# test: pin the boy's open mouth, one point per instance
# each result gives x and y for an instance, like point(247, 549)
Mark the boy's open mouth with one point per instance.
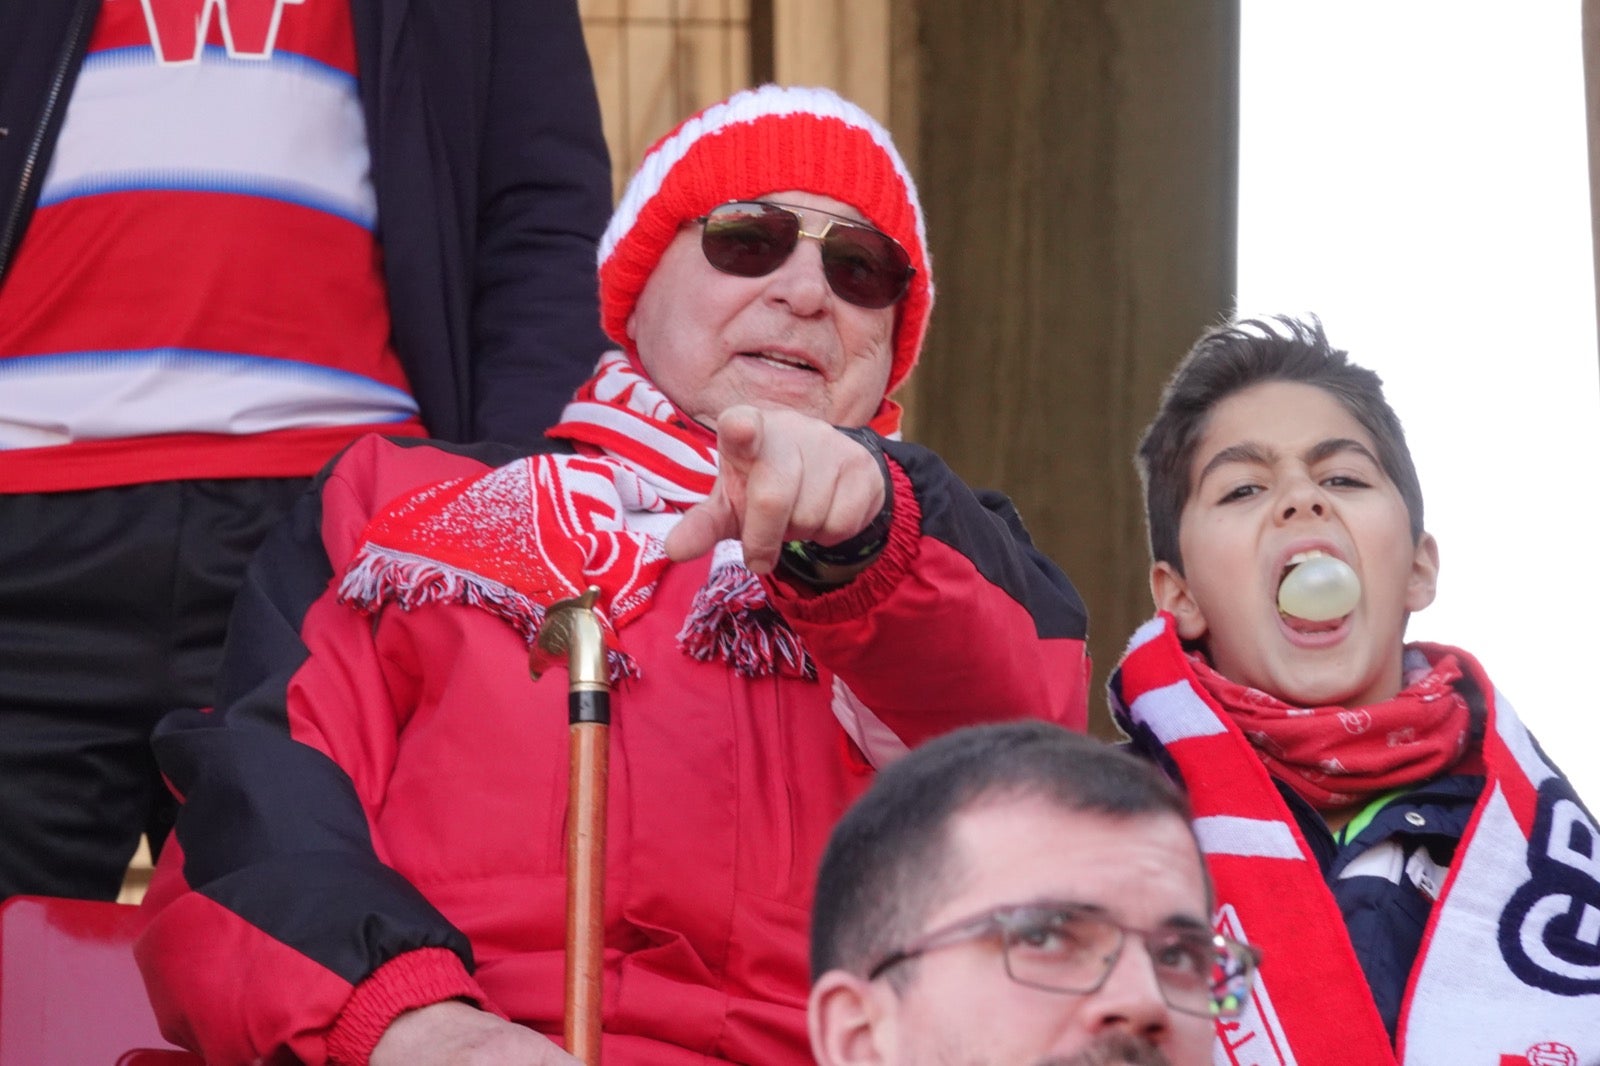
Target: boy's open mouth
point(1316, 592)
point(1301, 625)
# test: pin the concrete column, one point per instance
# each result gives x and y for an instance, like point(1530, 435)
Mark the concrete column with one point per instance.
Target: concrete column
point(1077, 161)
point(1591, 81)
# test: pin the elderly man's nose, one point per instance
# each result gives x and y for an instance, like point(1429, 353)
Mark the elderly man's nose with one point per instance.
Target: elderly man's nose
point(799, 282)
point(1130, 1000)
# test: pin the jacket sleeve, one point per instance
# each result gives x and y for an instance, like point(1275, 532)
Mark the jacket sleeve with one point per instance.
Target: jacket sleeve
point(960, 620)
point(275, 927)
point(44, 45)
point(544, 200)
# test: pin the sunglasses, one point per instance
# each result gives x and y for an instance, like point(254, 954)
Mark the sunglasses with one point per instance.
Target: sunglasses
point(752, 238)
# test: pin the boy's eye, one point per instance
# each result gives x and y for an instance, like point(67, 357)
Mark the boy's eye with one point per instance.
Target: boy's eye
point(1346, 481)
point(1239, 493)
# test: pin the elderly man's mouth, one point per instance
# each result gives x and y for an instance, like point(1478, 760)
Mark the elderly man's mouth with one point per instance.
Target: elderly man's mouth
point(788, 362)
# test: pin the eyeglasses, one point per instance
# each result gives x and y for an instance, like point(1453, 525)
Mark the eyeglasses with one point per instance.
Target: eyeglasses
point(752, 238)
point(1066, 948)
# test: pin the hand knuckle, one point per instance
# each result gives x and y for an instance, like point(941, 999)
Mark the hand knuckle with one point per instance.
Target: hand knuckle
point(767, 498)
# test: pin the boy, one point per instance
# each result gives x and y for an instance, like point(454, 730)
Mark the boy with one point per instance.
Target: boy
point(1423, 883)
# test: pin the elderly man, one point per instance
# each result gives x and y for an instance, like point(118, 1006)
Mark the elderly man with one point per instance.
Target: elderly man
point(1014, 894)
point(370, 862)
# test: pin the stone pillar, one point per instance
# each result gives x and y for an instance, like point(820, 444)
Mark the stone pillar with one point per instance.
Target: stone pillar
point(1077, 161)
point(1591, 82)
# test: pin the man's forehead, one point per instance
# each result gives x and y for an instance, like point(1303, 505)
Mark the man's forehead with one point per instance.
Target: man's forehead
point(810, 201)
point(1023, 849)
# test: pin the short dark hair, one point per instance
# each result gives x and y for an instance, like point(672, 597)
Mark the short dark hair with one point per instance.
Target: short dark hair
point(1231, 358)
point(887, 861)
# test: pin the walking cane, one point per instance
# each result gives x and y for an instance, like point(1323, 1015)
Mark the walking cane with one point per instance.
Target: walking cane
point(573, 628)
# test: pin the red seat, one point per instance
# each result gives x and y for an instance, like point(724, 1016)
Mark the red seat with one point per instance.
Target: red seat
point(70, 994)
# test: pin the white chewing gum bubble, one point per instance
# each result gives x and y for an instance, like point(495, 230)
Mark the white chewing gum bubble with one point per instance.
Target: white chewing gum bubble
point(1319, 590)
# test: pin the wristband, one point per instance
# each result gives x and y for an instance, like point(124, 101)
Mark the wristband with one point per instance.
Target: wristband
point(826, 565)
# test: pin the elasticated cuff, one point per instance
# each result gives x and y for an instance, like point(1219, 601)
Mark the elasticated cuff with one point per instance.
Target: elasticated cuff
point(873, 585)
point(416, 979)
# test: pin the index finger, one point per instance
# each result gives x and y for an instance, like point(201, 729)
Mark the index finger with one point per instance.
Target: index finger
point(700, 528)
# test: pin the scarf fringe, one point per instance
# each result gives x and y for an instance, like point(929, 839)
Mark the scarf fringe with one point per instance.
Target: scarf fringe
point(513, 540)
point(382, 575)
point(732, 620)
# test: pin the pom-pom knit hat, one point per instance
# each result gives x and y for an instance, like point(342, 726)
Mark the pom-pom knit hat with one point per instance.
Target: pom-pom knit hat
point(757, 142)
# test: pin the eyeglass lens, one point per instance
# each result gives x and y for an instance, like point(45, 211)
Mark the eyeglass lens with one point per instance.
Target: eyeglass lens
point(1074, 951)
point(862, 265)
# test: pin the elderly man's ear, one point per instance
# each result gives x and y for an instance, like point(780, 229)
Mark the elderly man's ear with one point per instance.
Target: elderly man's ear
point(851, 1020)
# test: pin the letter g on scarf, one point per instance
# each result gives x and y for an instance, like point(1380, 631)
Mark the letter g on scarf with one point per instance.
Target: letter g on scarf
point(1550, 931)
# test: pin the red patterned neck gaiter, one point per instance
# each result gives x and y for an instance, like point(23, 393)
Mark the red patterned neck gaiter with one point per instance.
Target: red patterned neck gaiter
point(1338, 756)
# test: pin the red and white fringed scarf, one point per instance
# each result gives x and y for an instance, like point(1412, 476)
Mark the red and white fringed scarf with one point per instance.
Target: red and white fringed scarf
point(517, 539)
point(1335, 757)
point(1509, 969)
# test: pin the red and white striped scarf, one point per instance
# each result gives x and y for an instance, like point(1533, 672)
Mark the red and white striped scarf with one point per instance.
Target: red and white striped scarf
point(516, 539)
point(1509, 969)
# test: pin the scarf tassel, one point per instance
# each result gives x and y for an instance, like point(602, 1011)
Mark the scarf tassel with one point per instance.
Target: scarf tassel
point(732, 620)
point(383, 575)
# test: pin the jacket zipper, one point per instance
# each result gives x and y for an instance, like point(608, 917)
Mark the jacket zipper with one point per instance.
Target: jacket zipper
point(30, 162)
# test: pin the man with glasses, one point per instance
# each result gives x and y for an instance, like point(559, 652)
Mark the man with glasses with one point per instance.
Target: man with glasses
point(1017, 894)
point(373, 816)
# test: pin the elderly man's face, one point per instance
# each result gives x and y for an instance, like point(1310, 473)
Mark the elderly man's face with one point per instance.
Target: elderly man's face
point(959, 1007)
point(711, 340)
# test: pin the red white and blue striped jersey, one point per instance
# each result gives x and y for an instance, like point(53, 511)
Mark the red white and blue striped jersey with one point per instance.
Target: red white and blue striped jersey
point(200, 293)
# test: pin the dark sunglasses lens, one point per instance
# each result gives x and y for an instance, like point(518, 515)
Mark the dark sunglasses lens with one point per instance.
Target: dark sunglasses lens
point(864, 266)
point(747, 239)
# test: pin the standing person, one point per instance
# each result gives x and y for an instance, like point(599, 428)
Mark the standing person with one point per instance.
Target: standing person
point(1421, 878)
point(234, 237)
point(371, 837)
point(1015, 893)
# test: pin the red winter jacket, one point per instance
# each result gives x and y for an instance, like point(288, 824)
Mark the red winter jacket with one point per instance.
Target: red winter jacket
point(373, 814)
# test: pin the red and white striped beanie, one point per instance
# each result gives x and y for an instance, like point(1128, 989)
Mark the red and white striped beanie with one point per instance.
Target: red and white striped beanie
point(761, 141)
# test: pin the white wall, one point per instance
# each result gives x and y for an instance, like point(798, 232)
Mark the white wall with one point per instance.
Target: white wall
point(1415, 172)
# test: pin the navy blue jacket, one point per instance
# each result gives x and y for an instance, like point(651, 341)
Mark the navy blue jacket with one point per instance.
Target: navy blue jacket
point(492, 179)
point(1387, 899)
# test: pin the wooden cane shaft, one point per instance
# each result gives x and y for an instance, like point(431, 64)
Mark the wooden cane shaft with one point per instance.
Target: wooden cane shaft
point(586, 878)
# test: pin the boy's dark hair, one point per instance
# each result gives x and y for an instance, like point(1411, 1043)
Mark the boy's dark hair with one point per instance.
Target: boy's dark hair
point(1231, 358)
point(887, 863)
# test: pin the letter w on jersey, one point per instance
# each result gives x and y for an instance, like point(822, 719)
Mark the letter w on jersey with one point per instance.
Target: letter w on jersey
point(178, 28)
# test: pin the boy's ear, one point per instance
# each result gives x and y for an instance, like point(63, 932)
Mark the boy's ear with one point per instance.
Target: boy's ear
point(1423, 582)
point(850, 1023)
point(1171, 594)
